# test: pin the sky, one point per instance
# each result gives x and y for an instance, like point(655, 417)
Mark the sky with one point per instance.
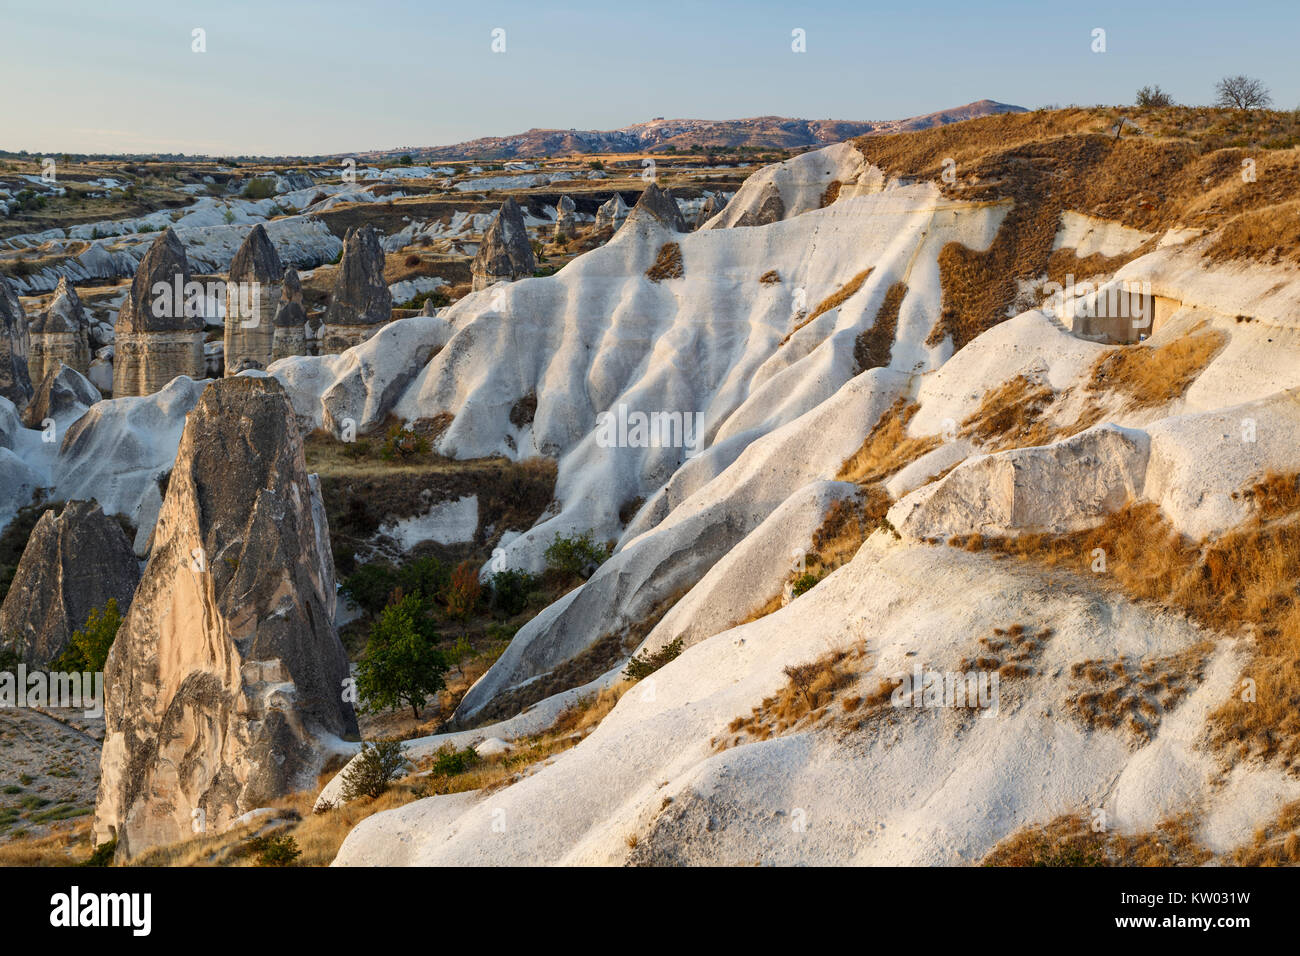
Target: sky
point(335, 76)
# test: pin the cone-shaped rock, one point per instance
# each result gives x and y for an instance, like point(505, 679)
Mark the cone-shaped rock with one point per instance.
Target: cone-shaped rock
point(226, 681)
point(770, 208)
point(291, 327)
point(505, 254)
point(360, 302)
point(711, 207)
point(611, 214)
point(252, 298)
point(15, 379)
point(566, 225)
point(660, 205)
point(73, 563)
point(62, 393)
point(159, 330)
point(60, 334)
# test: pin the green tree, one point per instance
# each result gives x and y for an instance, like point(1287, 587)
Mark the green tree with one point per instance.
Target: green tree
point(401, 665)
point(88, 648)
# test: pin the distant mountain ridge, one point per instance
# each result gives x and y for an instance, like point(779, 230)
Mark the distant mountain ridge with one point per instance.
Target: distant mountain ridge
point(767, 132)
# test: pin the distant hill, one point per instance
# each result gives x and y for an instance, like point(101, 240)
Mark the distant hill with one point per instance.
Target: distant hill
point(764, 132)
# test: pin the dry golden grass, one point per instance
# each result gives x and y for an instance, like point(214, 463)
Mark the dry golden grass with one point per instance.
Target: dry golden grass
point(1069, 841)
point(1276, 844)
point(831, 193)
point(1189, 175)
point(840, 295)
point(1271, 234)
point(832, 301)
point(63, 846)
point(770, 277)
point(805, 700)
point(887, 448)
point(1152, 376)
point(873, 347)
point(1012, 416)
point(1250, 576)
point(668, 264)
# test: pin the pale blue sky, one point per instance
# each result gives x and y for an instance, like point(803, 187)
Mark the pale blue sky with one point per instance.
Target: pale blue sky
point(341, 75)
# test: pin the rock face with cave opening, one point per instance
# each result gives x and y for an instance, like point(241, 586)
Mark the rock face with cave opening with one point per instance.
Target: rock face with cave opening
point(225, 687)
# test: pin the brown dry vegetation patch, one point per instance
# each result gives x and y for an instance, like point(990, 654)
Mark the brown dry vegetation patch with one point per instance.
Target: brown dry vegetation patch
point(1048, 162)
point(887, 448)
point(1271, 234)
point(832, 301)
point(1247, 577)
point(1064, 263)
point(668, 264)
point(1133, 695)
point(770, 277)
point(840, 295)
point(873, 347)
point(831, 193)
point(1069, 840)
point(1150, 376)
point(1013, 415)
point(1012, 652)
point(1274, 844)
point(807, 699)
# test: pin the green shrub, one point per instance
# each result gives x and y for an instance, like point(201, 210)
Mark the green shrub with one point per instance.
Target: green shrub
point(449, 761)
point(805, 582)
point(639, 667)
point(102, 855)
point(438, 296)
point(425, 576)
point(369, 587)
point(276, 850)
point(261, 188)
point(510, 591)
point(576, 556)
point(88, 648)
point(374, 770)
point(401, 444)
